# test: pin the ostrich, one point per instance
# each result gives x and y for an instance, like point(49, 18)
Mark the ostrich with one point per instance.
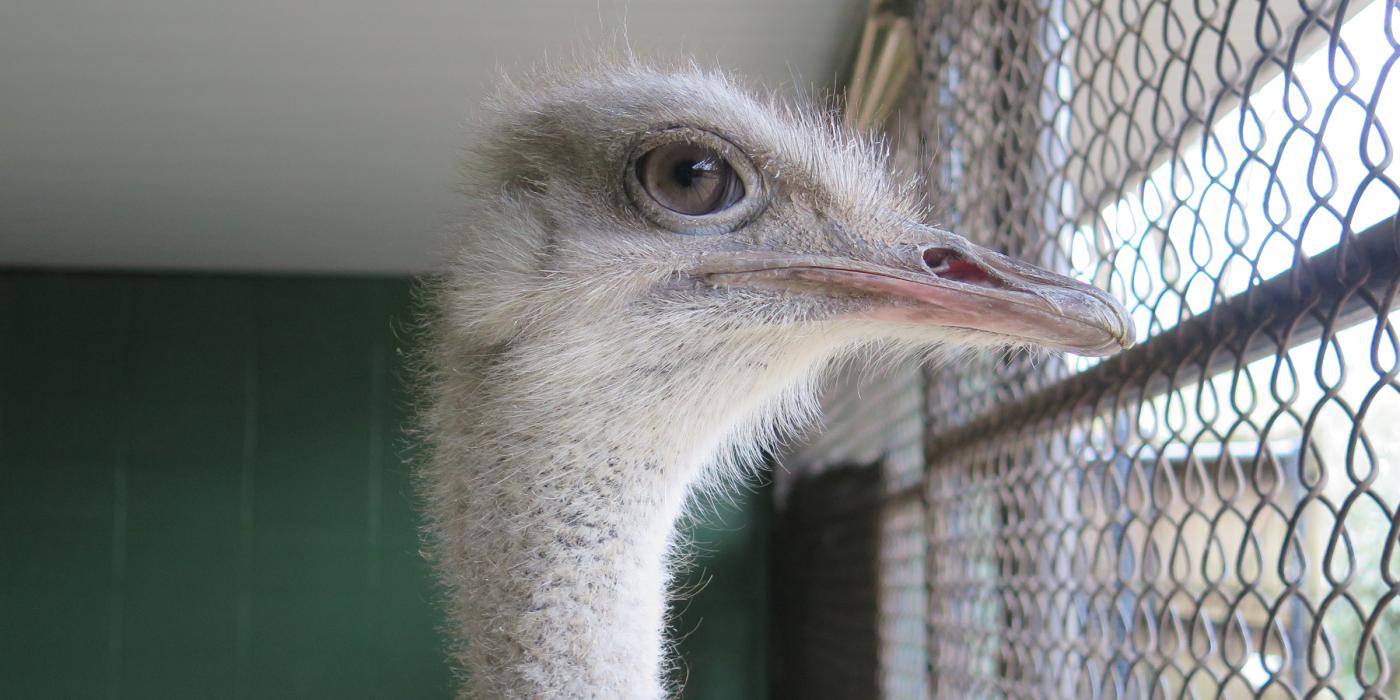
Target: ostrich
point(658, 266)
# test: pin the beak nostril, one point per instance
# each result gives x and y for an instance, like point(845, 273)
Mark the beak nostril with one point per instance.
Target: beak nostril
point(937, 259)
point(952, 265)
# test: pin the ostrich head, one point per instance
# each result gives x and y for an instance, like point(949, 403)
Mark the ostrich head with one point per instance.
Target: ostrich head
point(656, 265)
point(640, 201)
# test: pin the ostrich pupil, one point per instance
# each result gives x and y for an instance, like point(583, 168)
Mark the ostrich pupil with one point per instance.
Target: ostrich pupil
point(688, 171)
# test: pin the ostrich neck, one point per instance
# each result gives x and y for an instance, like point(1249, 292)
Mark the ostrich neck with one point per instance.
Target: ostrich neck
point(576, 606)
point(563, 530)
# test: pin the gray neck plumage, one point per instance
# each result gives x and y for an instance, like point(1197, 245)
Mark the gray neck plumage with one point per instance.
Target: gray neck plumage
point(573, 597)
point(554, 505)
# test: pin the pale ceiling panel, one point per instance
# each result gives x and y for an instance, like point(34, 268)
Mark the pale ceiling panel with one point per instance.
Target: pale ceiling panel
point(307, 136)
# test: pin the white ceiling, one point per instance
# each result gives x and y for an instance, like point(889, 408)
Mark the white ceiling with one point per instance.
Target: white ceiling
point(314, 135)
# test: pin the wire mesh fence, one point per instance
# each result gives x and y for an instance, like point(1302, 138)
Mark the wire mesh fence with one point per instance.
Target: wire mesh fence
point(1213, 513)
point(826, 586)
point(872, 418)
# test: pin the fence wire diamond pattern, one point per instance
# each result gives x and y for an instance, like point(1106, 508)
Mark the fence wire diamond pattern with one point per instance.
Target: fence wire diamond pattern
point(1212, 514)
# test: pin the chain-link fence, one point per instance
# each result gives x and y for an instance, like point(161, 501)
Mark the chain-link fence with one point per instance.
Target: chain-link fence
point(1214, 512)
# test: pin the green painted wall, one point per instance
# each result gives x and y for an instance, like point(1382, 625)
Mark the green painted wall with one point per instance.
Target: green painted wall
point(721, 612)
point(203, 495)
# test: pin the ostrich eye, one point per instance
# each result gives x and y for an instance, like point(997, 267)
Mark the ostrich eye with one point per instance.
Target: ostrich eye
point(694, 182)
point(689, 179)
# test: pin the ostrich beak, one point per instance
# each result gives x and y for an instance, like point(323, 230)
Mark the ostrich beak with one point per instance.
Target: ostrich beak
point(957, 285)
